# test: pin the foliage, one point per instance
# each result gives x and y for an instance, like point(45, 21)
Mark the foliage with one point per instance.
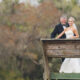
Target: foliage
point(21, 28)
point(71, 8)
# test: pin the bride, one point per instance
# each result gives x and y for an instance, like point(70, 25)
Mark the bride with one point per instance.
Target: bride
point(70, 65)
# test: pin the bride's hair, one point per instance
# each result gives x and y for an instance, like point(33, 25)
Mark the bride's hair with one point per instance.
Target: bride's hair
point(72, 18)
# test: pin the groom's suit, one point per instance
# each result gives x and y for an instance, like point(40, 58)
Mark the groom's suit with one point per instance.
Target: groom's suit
point(57, 30)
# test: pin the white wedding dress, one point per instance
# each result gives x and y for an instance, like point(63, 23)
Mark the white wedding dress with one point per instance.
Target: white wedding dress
point(70, 65)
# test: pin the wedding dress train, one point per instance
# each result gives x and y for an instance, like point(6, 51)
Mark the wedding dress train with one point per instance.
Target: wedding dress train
point(70, 65)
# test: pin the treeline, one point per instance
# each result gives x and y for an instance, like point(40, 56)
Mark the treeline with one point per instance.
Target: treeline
point(21, 27)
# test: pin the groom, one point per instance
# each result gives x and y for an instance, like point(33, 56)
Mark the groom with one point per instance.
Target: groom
point(60, 28)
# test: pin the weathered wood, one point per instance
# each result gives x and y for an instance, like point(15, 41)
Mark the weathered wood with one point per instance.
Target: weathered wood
point(62, 47)
point(46, 74)
point(63, 53)
point(59, 48)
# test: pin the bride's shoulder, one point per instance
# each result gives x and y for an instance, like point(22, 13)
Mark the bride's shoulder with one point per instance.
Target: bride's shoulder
point(73, 28)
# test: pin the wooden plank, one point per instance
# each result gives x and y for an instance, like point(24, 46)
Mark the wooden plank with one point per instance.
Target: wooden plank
point(63, 53)
point(47, 39)
point(65, 76)
point(53, 41)
point(63, 46)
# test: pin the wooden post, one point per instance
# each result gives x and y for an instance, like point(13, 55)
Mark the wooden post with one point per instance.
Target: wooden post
point(46, 74)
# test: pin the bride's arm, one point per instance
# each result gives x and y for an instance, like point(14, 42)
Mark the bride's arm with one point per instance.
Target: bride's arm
point(60, 35)
point(76, 34)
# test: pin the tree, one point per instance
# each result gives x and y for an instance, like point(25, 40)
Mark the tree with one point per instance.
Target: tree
point(70, 8)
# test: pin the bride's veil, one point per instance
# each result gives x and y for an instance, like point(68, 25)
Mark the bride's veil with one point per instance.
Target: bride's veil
point(75, 26)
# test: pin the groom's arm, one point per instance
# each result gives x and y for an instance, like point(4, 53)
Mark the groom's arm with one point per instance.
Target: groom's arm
point(55, 32)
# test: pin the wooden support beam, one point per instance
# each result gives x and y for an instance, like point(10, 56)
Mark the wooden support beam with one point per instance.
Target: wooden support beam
point(59, 48)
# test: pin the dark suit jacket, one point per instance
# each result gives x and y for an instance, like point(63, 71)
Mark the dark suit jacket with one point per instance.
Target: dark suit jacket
point(58, 29)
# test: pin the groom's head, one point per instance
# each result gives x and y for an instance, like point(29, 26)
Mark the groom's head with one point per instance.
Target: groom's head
point(63, 19)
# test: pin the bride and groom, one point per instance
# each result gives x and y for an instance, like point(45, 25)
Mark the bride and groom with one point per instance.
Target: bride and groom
point(68, 31)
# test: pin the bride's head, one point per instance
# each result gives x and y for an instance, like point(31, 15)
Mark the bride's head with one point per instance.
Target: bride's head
point(71, 21)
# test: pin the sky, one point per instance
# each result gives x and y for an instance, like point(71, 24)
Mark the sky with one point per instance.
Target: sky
point(0, 0)
point(32, 2)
